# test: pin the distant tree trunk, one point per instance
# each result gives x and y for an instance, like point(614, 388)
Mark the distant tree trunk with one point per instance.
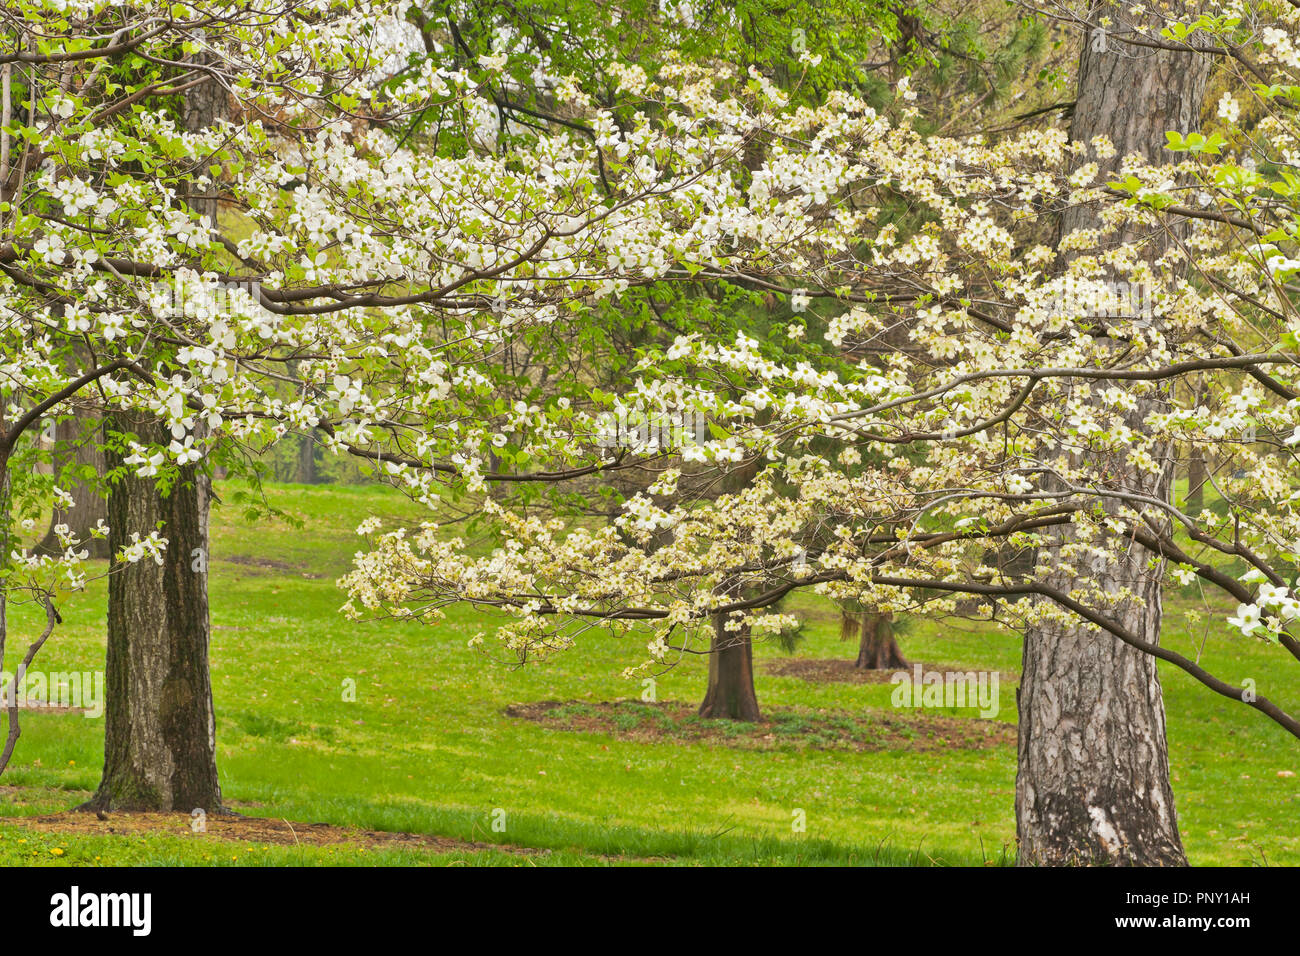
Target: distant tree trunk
point(307, 473)
point(1197, 476)
point(731, 694)
point(1093, 766)
point(78, 449)
point(877, 647)
point(159, 726)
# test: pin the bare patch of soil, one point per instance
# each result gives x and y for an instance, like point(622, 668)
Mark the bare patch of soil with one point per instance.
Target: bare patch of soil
point(836, 670)
point(250, 830)
point(783, 728)
point(269, 564)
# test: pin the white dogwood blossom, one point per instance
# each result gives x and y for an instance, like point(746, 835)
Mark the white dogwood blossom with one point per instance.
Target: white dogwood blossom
point(1014, 381)
point(391, 257)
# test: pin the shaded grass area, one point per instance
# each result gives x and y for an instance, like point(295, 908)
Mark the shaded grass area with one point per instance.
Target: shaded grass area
point(404, 728)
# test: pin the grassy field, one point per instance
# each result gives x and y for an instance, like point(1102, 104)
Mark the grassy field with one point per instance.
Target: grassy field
point(432, 743)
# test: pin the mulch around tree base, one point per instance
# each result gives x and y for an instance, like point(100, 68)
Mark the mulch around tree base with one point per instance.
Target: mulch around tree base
point(249, 830)
point(839, 670)
point(781, 728)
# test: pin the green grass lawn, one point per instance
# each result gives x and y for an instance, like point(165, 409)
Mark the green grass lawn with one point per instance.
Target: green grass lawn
point(427, 747)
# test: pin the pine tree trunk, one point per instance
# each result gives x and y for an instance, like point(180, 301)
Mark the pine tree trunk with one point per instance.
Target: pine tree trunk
point(731, 695)
point(78, 449)
point(1093, 767)
point(878, 648)
point(159, 727)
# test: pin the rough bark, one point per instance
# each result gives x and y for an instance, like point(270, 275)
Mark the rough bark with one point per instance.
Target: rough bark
point(78, 450)
point(730, 693)
point(204, 105)
point(5, 546)
point(159, 726)
point(1093, 768)
point(1197, 476)
point(877, 646)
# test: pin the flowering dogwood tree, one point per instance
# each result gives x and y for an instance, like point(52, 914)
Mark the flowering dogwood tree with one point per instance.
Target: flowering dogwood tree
point(963, 383)
point(351, 283)
point(1045, 391)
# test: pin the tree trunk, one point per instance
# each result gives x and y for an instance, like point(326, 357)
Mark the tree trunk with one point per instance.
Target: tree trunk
point(877, 648)
point(1197, 476)
point(1093, 766)
point(731, 694)
point(78, 450)
point(5, 547)
point(306, 472)
point(159, 727)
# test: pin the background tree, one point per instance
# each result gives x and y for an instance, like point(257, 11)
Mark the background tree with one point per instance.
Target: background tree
point(1040, 414)
point(874, 631)
point(806, 51)
point(79, 463)
point(328, 337)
